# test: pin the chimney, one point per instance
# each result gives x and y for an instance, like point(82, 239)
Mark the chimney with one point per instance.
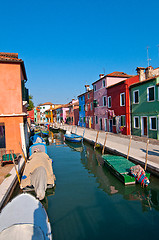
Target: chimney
point(101, 75)
point(87, 88)
point(141, 73)
point(149, 72)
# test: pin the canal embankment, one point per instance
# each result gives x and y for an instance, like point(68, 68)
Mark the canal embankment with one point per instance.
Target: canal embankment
point(9, 183)
point(119, 144)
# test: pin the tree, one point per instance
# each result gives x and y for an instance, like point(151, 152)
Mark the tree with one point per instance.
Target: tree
point(31, 104)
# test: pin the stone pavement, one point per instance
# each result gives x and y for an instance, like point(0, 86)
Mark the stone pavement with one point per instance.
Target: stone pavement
point(119, 144)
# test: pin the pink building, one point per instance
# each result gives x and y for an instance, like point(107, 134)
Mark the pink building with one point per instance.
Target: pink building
point(101, 103)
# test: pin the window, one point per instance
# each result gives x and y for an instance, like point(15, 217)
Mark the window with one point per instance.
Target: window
point(91, 106)
point(109, 102)
point(84, 119)
point(79, 108)
point(136, 96)
point(91, 120)
point(136, 122)
point(114, 121)
point(104, 101)
point(103, 83)
point(80, 120)
point(87, 119)
point(88, 95)
point(95, 89)
point(95, 103)
point(2, 135)
point(150, 94)
point(82, 98)
point(122, 99)
point(43, 107)
point(123, 120)
point(96, 119)
point(72, 119)
point(86, 107)
point(153, 123)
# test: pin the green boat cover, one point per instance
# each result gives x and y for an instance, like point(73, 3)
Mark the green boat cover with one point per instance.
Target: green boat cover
point(120, 164)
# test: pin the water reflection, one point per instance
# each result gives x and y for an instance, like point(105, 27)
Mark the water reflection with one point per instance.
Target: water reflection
point(93, 162)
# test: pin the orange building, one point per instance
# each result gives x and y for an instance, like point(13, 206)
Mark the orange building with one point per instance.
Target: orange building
point(13, 102)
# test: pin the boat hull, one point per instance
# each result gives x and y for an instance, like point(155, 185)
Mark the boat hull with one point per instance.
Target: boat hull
point(73, 138)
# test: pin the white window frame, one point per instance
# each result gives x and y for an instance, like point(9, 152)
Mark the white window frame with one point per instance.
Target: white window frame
point(125, 120)
point(148, 94)
point(134, 97)
point(121, 94)
point(151, 123)
point(136, 117)
point(104, 97)
point(109, 106)
point(86, 107)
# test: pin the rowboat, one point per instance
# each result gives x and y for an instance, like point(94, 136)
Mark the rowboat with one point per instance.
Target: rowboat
point(120, 167)
point(38, 174)
point(36, 139)
point(24, 218)
point(73, 137)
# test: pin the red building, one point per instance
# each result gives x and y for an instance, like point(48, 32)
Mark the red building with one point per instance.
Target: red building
point(31, 115)
point(119, 106)
point(89, 109)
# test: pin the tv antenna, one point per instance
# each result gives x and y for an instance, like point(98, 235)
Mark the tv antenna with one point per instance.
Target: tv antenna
point(148, 59)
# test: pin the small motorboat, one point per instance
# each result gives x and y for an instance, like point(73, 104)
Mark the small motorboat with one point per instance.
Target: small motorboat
point(25, 218)
point(36, 139)
point(73, 137)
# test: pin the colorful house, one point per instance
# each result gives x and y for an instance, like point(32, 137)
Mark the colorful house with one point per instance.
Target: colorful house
point(81, 99)
point(100, 97)
point(61, 113)
point(31, 116)
point(14, 99)
point(73, 113)
point(43, 108)
point(119, 106)
point(145, 107)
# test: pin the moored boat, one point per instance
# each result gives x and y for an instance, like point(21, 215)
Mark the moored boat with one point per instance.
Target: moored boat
point(38, 174)
point(37, 147)
point(120, 167)
point(24, 218)
point(73, 137)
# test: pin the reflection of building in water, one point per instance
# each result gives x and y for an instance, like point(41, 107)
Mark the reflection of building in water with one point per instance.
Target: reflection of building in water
point(93, 162)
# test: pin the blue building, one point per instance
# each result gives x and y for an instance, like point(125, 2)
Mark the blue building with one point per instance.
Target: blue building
point(82, 122)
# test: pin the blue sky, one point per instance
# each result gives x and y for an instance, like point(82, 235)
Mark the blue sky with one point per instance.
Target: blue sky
point(67, 44)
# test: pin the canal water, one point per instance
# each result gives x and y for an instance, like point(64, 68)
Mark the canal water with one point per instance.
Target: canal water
point(88, 202)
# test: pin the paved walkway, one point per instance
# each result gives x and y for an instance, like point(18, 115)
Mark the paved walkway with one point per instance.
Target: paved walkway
point(119, 144)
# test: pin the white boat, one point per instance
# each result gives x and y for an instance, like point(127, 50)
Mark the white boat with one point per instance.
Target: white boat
point(24, 218)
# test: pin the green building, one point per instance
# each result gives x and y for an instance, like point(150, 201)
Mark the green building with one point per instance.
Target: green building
point(144, 104)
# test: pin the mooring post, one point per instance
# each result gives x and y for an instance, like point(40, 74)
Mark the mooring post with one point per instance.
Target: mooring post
point(76, 130)
point(129, 147)
point(146, 154)
point(96, 140)
point(15, 168)
point(104, 143)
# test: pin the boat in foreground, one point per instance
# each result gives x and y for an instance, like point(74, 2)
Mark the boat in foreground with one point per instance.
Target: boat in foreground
point(73, 137)
point(38, 174)
point(120, 167)
point(24, 218)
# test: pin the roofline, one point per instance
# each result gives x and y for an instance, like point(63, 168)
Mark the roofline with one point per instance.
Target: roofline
point(146, 80)
point(120, 76)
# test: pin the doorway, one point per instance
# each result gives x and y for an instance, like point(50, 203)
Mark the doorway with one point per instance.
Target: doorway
point(105, 123)
point(110, 125)
point(144, 126)
point(100, 122)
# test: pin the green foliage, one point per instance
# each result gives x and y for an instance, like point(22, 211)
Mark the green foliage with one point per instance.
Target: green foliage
point(31, 104)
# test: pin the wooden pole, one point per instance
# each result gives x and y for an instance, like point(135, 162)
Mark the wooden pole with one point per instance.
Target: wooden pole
point(104, 143)
point(129, 147)
point(96, 140)
point(15, 168)
point(76, 130)
point(23, 153)
point(146, 154)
